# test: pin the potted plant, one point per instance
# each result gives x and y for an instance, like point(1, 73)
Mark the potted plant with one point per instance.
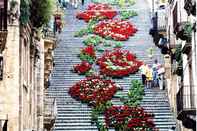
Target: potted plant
point(184, 31)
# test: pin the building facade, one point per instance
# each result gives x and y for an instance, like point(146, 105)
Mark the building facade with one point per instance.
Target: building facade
point(23, 66)
point(182, 83)
point(174, 32)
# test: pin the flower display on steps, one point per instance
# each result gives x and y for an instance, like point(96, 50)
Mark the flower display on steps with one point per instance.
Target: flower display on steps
point(124, 15)
point(88, 54)
point(93, 40)
point(82, 68)
point(98, 92)
point(118, 63)
point(116, 29)
point(100, 11)
point(125, 118)
point(93, 90)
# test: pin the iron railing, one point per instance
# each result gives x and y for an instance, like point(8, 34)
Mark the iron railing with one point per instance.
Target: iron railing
point(161, 20)
point(186, 99)
point(48, 34)
point(50, 110)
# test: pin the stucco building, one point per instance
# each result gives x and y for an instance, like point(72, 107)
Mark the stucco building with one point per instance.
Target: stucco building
point(24, 61)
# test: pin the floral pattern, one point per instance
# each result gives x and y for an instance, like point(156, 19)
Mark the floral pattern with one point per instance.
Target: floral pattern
point(88, 54)
point(118, 63)
point(116, 29)
point(99, 10)
point(83, 67)
point(129, 118)
point(94, 90)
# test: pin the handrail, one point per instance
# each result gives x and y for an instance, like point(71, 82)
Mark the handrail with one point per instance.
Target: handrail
point(186, 98)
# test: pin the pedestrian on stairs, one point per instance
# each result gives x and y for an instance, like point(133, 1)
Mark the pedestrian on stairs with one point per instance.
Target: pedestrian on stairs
point(82, 1)
point(161, 72)
point(143, 69)
point(155, 68)
point(149, 76)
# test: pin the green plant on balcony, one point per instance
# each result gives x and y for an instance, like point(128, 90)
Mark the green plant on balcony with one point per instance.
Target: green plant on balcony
point(184, 31)
point(41, 12)
point(178, 58)
point(24, 11)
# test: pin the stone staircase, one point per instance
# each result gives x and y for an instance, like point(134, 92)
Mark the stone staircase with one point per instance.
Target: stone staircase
point(74, 116)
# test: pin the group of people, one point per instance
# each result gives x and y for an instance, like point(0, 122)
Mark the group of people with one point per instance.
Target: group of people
point(74, 3)
point(153, 75)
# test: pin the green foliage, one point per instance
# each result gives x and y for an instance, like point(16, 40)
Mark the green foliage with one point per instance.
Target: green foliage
point(188, 29)
point(90, 72)
point(81, 33)
point(100, 49)
point(135, 94)
point(41, 12)
point(85, 57)
point(118, 45)
point(124, 15)
point(178, 56)
point(87, 30)
point(93, 40)
point(24, 11)
point(96, 112)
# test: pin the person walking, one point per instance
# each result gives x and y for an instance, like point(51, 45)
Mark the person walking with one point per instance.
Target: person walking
point(143, 69)
point(155, 68)
point(161, 72)
point(82, 1)
point(149, 76)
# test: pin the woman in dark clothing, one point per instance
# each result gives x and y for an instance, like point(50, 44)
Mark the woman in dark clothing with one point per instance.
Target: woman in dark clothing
point(82, 1)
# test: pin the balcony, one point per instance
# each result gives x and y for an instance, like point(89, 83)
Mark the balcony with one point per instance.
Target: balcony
point(183, 31)
point(161, 21)
point(49, 39)
point(186, 106)
point(50, 113)
point(3, 24)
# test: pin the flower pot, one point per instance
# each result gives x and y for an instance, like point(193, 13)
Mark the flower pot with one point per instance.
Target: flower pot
point(183, 31)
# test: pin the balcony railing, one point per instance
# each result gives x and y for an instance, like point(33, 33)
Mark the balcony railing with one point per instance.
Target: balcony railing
point(48, 33)
point(50, 112)
point(186, 103)
point(161, 20)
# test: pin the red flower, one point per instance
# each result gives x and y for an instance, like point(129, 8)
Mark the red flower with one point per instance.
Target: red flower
point(93, 90)
point(89, 50)
point(116, 29)
point(97, 10)
point(130, 117)
point(83, 67)
point(118, 63)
